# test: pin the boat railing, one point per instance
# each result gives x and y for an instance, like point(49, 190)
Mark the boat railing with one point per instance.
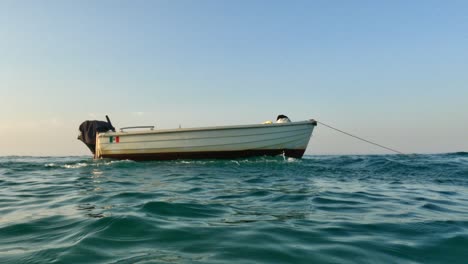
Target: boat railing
point(136, 127)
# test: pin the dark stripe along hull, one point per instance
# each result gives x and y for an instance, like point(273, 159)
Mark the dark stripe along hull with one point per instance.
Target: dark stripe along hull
point(294, 153)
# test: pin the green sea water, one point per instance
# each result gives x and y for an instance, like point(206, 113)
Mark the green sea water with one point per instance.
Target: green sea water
point(321, 209)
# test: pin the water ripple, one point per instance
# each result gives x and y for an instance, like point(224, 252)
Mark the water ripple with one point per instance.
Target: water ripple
point(321, 209)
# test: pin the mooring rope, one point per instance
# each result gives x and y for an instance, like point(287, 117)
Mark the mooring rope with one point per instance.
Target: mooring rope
point(365, 140)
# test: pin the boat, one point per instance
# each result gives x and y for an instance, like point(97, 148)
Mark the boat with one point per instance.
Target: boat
point(218, 142)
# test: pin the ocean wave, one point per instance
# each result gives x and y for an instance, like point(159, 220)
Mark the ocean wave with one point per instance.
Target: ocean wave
point(325, 209)
point(461, 153)
point(186, 210)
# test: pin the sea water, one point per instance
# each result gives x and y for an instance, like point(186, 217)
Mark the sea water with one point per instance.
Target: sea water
point(321, 209)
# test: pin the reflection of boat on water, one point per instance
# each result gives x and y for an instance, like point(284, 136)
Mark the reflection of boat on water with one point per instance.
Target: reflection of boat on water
point(289, 138)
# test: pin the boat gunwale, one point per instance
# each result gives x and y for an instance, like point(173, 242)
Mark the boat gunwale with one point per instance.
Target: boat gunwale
point(213, 128)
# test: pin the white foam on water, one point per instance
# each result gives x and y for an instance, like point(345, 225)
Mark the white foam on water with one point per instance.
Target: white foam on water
point(74, 166)
point(289, 159)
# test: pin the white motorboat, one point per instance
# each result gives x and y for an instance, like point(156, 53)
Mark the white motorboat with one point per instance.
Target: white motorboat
point(289, 139)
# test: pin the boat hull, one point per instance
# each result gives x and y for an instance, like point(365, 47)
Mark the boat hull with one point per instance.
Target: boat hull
point(289, 139)
point(294, 153)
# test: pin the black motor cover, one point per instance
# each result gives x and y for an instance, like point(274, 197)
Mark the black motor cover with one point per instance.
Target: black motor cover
point(89, 129)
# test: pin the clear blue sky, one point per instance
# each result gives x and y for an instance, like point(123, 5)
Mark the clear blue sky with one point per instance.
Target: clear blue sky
point(392, 71)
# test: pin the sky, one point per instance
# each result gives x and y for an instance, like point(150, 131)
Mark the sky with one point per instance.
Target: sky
point(394, 72)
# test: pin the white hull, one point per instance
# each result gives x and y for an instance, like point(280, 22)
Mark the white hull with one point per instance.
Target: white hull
point(210, 142)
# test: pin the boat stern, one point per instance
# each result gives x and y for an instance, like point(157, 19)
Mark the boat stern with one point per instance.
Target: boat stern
point(89, 130)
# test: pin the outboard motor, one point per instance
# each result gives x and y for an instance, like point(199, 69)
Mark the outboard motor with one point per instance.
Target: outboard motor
point(90, 128)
